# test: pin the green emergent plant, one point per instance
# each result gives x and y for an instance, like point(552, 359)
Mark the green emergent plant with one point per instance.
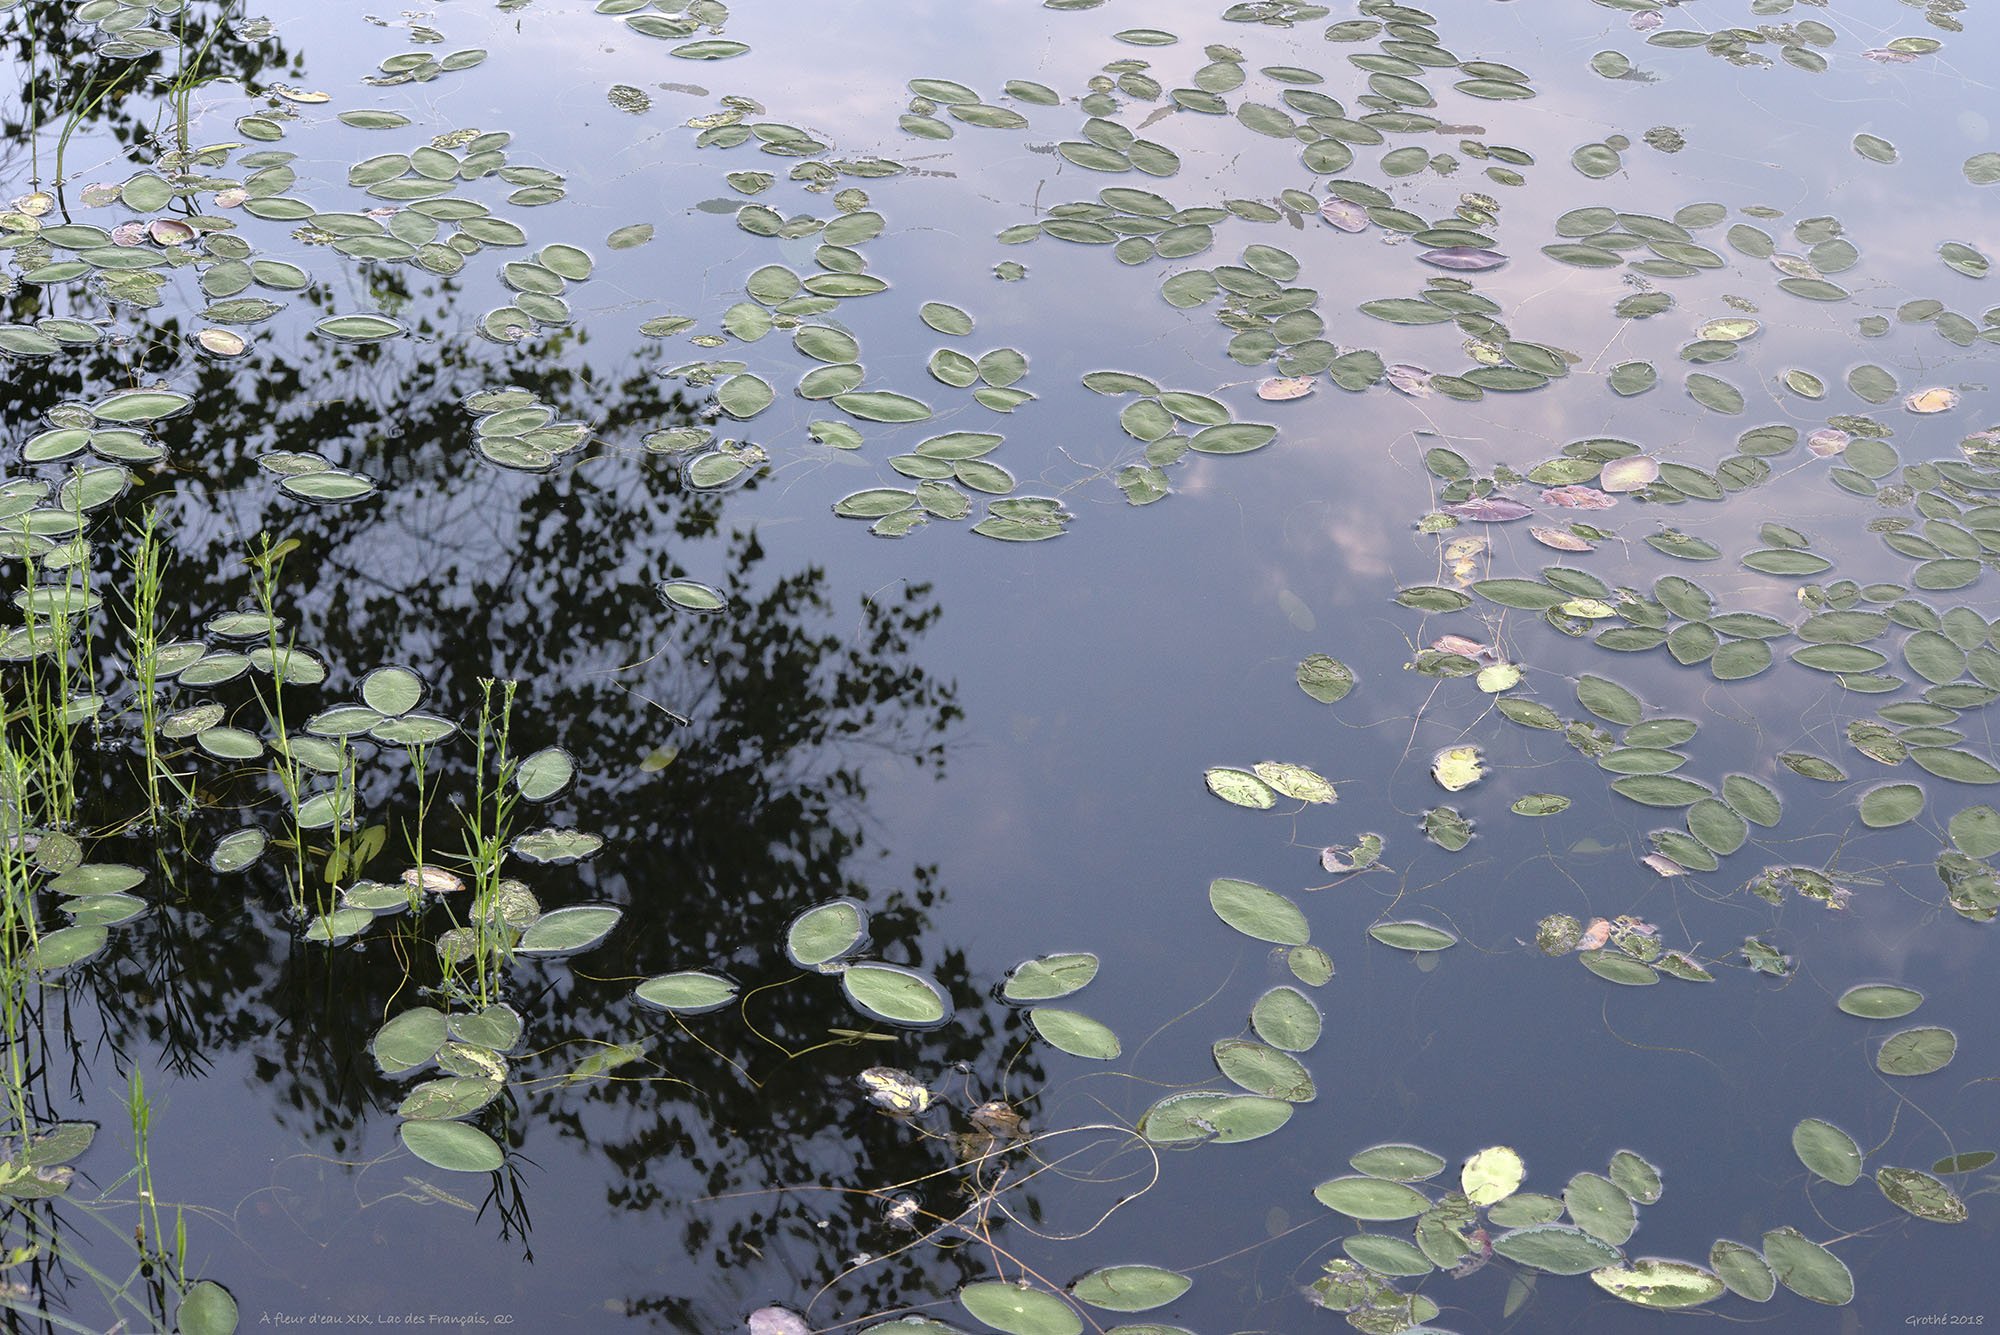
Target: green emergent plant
point(18, 938)
point(488, 825)
point(40, 719)
point(267, 562)
point(142, 605)
point(180, 90)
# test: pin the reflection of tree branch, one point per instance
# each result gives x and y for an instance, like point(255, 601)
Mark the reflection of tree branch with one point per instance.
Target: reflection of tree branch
point(466, 571)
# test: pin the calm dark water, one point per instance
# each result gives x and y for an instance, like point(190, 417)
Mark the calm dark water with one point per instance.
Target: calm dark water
point(997, 747)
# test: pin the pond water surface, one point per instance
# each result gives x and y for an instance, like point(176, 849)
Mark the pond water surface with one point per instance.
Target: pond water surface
point(1027, 667)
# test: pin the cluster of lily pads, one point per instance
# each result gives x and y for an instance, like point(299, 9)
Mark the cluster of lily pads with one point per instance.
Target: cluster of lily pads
point(822, 938)
point(1582, 1231)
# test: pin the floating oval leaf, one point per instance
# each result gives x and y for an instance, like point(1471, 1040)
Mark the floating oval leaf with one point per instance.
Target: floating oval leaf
point(1286, 1018)
point(1240, 788)
point(1205, 1115)
point(1807, 1268)
point(1020, 1311)
point(564, 931)
point(544, 774)
point(1653, 1282)
point(1891, 804)
point(1558, 1249)
point(1074, 1033)
point(1371, 1198)
point(1049, 977)
point(1264, 1070)
point(206, 1309)
point(452, 1146)
point(1130, 1288)
point(1880, 1001)
point(689, 993)
point(1492, 1175)
point(1257, 912)
point(1919, 1051)
point(358, 328)
point(1827, 1151)
point(900, 996)
point(1921, 1194)
point(826, 932)
point(1412, 935)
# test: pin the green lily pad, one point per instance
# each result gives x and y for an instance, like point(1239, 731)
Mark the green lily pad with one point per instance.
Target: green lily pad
point(1371, 1198)
point(690, 992)
point(1074, 1033)
point(1130, 1288)
point(1325, 679)
point(1557, 1249)
point(1206, 1115)
point(1049, 977)
point(1600, 1208)
point(1239, 787)
point(1891, 804)
point(1398, 1163)
point(1286, 1018)
point(1807, 1268)
point(1919, 1051)
point(1257, 912)
point(392, 691)
point(900, 996)
point(568, 930)
point(555, 845)
point(206, 1309)
point(1743, 1269)
point(826, 932)
point(1386, 1255)
point(1653, 1282)
point(1880, 1001)
point(449, 1098)
point(452, 1146)
point(1921, 1194)
point(1264, 1070)
point(409, 1039)
point(544, 774)
point(1976, 831)
point(1019, 1311)
point(1828, 1151)
point(1417, 936)
point(67, 946)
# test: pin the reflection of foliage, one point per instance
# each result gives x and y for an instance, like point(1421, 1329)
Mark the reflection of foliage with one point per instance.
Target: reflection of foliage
point(773, 711)
point(58, 73)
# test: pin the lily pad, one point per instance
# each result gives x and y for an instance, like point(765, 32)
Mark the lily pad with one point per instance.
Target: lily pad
point(1371, 1198)
point(1049, 977)
point(1918, 1051)
point(1828, 1151)
point(1074, 1033)
point(1558, 1249)
point(1019, 1311)
point(1921, 1194)
point(1264, 1070)
point(1130, 1288)
point(898, 995)
point(544, 774)
point(826, 932)
point(1653, 1282)
point(452, 1146)
point(1807, 1268)
point(1418, 936)
point(1880, 1001)
point(689, 993)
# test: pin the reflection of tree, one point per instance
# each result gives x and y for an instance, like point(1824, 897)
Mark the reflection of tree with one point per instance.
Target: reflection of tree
point(58, 73)
point(460, 570)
